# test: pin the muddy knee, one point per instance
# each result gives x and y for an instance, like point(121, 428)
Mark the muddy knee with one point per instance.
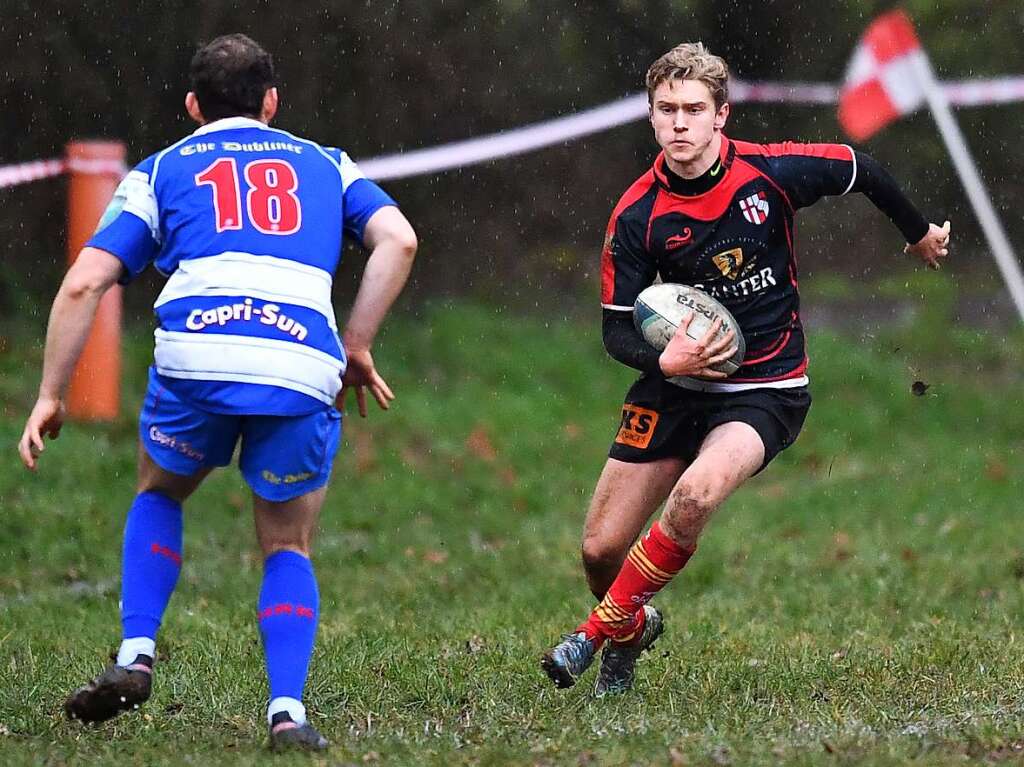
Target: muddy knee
point(686, 513)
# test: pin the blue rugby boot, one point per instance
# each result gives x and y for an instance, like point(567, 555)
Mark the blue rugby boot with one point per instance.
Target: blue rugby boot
point(618, 661)
point(568, 659)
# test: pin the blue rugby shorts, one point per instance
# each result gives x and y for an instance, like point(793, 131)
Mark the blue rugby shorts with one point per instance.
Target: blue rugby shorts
point(282, 457)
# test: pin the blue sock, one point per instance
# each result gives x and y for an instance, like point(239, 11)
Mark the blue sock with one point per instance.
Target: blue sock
point(151, 562)
point(289, 607)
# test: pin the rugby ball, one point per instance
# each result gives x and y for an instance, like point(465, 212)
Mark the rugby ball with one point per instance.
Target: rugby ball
point(660, 309)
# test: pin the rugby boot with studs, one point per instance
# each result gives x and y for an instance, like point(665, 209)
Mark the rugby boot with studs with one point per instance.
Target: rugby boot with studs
point(618, 661)
point(568, 659)
point(285, 734)
point(117, 689)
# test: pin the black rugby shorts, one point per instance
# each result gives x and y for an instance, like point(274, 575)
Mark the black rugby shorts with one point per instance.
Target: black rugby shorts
point(662, 420)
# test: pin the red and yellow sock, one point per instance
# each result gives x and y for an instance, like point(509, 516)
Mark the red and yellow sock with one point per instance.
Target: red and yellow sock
point(651, 563)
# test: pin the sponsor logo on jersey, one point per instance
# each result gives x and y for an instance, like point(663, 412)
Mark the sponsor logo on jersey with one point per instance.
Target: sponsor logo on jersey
point(238, 146)
point(755, 208)
point(729, 262)
point(268, 314)
point(678, 240)
point(637, 426)
point(753, 283)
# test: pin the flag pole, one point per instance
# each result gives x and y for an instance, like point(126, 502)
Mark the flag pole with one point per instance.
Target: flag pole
point(970, 178)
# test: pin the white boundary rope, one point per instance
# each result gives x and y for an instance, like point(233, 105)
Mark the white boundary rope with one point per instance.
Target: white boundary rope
point(22, 173)
point(12, 175)
point(458, 154)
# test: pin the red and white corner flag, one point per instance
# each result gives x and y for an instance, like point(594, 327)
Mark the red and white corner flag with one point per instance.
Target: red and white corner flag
point(880, 83)
point(890, 76)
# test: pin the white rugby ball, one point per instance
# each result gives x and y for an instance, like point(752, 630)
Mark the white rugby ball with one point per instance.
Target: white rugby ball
point(660, 309)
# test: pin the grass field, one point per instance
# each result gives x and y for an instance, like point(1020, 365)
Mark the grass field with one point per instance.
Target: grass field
point(860, 602)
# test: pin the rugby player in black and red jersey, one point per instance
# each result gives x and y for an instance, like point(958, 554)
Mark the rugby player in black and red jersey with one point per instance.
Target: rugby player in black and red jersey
point(717, 214)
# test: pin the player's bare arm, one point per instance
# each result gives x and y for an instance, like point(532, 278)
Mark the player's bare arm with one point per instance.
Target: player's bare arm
point(392, 243)
point(686, 357)
point(74, 308)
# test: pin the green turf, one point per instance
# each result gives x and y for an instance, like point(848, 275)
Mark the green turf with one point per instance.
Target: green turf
point(859, 602)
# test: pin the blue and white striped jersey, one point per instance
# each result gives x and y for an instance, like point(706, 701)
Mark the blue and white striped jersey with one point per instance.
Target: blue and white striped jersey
point(247, 222)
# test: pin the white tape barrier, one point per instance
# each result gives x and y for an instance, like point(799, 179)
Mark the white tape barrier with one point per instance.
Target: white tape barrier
point(22, 173)
point(971, 93)
point(12, 175)
point(96, 167)
point(459, 154)
point(801, 94)
point(520, 140)
point(506, 143)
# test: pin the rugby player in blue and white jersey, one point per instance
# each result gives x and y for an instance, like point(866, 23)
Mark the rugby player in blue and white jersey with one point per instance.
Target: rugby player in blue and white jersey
point(247, 223)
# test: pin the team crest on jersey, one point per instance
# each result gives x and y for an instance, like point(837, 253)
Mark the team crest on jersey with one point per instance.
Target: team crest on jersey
point(729, 262)
point(755, 208)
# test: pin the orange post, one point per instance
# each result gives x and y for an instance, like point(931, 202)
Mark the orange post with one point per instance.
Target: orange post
point(94, 173)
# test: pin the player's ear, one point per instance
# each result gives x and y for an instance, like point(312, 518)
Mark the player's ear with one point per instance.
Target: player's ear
point(192, 107)
point(269, 105)
point(722, 116)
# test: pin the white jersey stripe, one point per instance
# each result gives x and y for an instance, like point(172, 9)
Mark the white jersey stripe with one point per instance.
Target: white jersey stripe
point(694, 384)
point(222, 357)
point(140, 201)
point(254, 378)
point(244, 274)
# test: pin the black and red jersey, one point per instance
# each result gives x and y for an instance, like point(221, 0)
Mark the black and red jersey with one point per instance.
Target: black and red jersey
point(734, 241)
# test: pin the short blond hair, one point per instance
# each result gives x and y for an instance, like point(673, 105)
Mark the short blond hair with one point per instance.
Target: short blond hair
point(691, 61)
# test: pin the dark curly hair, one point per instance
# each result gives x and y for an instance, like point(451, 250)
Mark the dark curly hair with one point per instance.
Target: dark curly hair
point(230, 76)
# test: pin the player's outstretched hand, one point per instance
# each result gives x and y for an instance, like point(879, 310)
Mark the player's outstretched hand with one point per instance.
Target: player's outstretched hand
point(360, 375)
point(932, 246)
point(45, 419)
point(685, 357)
